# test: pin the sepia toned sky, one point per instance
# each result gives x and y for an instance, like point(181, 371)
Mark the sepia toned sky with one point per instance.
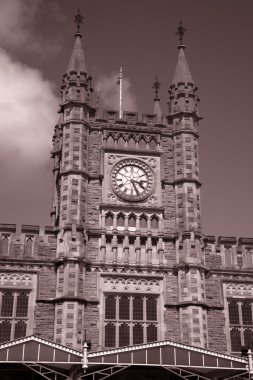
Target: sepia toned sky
point(36, 40)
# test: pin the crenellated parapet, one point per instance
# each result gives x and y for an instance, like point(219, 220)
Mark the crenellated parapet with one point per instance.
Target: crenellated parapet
point(229, 253)
point(34, 243)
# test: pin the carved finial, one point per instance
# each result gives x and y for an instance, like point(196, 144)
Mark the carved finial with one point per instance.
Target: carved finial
point(180, 32)
point(156, 86)
point(78, 20)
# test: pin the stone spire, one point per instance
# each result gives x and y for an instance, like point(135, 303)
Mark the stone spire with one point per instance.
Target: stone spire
point(77, 59)
point(76, 84)
point(183, 97)
point(182, 72)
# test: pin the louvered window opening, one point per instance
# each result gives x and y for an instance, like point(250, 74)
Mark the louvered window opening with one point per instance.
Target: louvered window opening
point(240, 323)
point(130, 319)
point(13, 314)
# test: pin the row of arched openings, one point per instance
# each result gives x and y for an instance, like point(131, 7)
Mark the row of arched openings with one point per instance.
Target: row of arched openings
point(131, 143)
point(121, 220)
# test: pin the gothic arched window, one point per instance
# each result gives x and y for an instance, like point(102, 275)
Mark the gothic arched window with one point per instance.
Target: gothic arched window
point(124, 335)
point(132, 220)
point(233, 312)
point(142, 143)
point(121, 220)
point(124, 307)
point(143, 221)
point(110, 307)
point(110, 335)
point(131, 143)
point(20, 329)
point(121, 142)
point(235, 338)
point(109, 220)
point(151, 333)
point(110, 141)
point(22, 304)
point(29, 246)
point(7, 304)
point(5, 331)
point(152, 144)
point(151, 308)
point(137, 308)
point(5, 245)
point(154, 222)
point(137, 333)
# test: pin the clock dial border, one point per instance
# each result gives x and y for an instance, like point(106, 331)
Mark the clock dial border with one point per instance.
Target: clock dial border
point(141, 165)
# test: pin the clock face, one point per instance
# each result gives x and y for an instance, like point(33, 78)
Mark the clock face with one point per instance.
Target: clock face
point(132, 180)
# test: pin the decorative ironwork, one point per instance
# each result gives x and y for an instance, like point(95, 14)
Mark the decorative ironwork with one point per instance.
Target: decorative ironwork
point(156, 86)
point(180, 32)
point(78, 20)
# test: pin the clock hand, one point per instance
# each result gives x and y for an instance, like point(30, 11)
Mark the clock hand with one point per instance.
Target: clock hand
point(133, 182)
point(140, 183)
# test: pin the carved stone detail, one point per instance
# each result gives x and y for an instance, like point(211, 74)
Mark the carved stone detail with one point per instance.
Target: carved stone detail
point(111, 159)
point(152, 200)
point(131, 284)
point(239, 290)
point(151, 161)
point(15, 279)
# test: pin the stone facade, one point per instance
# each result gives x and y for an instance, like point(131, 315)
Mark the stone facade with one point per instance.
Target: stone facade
point(118, 267)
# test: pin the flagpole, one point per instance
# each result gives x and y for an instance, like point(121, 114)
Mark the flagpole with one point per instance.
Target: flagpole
point(120, 93)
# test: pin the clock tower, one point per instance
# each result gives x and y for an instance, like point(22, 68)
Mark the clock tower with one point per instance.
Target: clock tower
point(127, 214)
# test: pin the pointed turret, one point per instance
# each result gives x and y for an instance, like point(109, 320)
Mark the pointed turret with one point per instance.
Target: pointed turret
point(76, 83)
point(182, 72)
point(183, 118)
point(77, 60)
point(183, 98)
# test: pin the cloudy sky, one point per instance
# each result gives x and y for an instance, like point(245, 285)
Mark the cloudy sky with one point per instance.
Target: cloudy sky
point(36, 39)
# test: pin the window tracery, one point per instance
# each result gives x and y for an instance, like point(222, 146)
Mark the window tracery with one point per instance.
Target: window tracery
point(130, 319)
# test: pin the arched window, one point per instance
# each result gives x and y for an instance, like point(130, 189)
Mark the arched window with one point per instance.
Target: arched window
point(20, 329)
point(248, 337)
point(142, 143)
point(235, 338)
point(121, 220)
point(152, 144)
point(29, 246)
point(110, 307)
point(151, 309)
point(22, 304)
point(124, 308)
point(132, 220)
point(137, 333)
point(228, 257)
point(110, 141)
point(151, 333)
point(137, 308)
point(109, 220)
point(5, 245)
point(7, 304)
point(124, 336)
point(5, 331)
point(131, 143)
point(110, 335)
point(143, 221)
point(121, 142)
point(154, 222)
point(233, 312)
